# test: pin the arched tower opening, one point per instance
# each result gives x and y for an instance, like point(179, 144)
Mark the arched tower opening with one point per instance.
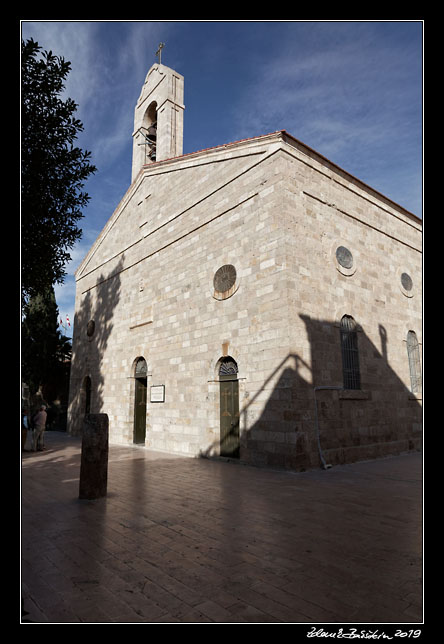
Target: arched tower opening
point(158, 118)
point(150, 132)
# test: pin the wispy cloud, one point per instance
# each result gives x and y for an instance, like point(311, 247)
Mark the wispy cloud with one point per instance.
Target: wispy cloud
point(104, 80)
point(350, 97)
point(345, 81)
point(74, 41)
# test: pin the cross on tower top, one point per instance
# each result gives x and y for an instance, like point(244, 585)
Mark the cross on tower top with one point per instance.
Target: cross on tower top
point(159, 51)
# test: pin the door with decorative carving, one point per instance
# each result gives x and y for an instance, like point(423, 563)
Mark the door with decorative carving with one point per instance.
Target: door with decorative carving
point(229, 409)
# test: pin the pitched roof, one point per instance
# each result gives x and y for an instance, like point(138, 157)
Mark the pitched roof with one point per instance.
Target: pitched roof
point(284, 133)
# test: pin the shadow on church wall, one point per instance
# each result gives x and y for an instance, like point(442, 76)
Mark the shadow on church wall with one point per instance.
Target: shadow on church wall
point(305, 424)
point(93, 325)
point(298, 427)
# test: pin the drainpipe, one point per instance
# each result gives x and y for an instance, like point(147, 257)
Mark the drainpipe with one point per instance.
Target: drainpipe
point(325, 465)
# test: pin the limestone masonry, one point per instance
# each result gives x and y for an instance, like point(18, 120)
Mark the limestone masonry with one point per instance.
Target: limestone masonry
point(252, 300)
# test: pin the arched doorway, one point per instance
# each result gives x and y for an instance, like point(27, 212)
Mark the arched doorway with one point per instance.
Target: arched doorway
point(140, 391)
point(229, 408)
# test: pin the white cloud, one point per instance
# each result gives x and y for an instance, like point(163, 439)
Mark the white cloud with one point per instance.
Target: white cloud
point(349, 93)
point(345, 86)
point(103, 80)
point(74, 41)
point(65, 293)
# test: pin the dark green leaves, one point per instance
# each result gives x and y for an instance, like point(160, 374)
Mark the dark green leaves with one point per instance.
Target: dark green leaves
point(54, 171)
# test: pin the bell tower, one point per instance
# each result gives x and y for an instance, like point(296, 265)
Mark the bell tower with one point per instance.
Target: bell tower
point(158, 118)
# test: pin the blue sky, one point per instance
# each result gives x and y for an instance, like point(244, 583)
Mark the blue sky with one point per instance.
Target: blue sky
point(350, 90)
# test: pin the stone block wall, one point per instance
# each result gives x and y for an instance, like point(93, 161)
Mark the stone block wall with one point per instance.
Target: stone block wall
point(276, 212)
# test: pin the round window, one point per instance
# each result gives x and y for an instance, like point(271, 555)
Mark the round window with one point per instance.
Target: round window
point(343, 259)
point(224, 278)
point(225, 282)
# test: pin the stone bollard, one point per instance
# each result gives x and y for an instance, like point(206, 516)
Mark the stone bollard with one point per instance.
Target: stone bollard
point(94, 463)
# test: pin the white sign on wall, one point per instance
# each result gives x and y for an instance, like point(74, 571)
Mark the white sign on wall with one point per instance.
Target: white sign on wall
point(157, 393)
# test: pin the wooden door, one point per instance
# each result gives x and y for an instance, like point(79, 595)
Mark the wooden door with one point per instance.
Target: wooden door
point(229, 417)
point(140, 411)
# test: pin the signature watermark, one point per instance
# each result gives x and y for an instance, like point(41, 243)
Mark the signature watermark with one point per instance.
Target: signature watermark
point(354, 633)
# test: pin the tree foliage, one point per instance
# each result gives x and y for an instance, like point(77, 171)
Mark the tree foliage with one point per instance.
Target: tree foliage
point(45, 351)
point(53, 170)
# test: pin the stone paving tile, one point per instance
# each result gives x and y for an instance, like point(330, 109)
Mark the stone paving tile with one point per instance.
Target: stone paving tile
point(181, 540)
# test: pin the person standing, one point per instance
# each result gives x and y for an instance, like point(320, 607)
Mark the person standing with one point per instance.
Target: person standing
point(39, 428)
point(24, 428)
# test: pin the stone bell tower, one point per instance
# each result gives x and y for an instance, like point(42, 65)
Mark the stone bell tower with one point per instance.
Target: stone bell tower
point(158, 118)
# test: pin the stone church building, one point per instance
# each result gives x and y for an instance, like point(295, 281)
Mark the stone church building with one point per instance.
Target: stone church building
point(251, 301)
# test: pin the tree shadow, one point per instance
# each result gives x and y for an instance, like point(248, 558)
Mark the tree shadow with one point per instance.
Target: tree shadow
point(382, 418)
point(299, 418)
point(93, 326)
point(310, 420)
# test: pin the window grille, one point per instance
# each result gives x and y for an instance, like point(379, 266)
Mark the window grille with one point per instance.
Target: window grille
point(228, 367)
point(414, 362)
point(141, 368)
point(350, 356)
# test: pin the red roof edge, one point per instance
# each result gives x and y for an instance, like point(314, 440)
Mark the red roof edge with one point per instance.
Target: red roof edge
point(307, 147)
point(214, 147)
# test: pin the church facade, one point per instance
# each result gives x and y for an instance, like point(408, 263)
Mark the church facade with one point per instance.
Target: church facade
point(251, 301)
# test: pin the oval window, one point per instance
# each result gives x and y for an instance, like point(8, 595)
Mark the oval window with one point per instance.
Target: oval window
point(90, 328)
point(344, 257)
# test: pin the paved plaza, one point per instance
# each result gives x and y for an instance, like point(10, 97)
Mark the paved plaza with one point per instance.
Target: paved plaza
point(183, 540)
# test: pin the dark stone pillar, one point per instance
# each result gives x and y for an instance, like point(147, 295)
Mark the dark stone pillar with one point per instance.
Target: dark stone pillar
point(94, 463)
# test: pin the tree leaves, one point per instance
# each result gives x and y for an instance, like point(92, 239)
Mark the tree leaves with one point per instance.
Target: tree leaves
point(54, 171)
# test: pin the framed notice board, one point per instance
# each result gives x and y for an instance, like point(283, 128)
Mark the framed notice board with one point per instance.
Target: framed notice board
point(157, 393)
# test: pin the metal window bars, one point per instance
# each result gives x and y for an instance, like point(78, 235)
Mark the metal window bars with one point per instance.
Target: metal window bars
point(228, 367)
point(414, 362)
point(350, 355)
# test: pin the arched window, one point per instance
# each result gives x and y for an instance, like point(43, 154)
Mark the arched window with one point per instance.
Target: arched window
point(228, 367)
point(414, 362)
point(350, 356)
point(141, 368)
point(150, 130)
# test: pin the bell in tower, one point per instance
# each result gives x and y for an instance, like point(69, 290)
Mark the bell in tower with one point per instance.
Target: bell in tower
point(158, 118)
